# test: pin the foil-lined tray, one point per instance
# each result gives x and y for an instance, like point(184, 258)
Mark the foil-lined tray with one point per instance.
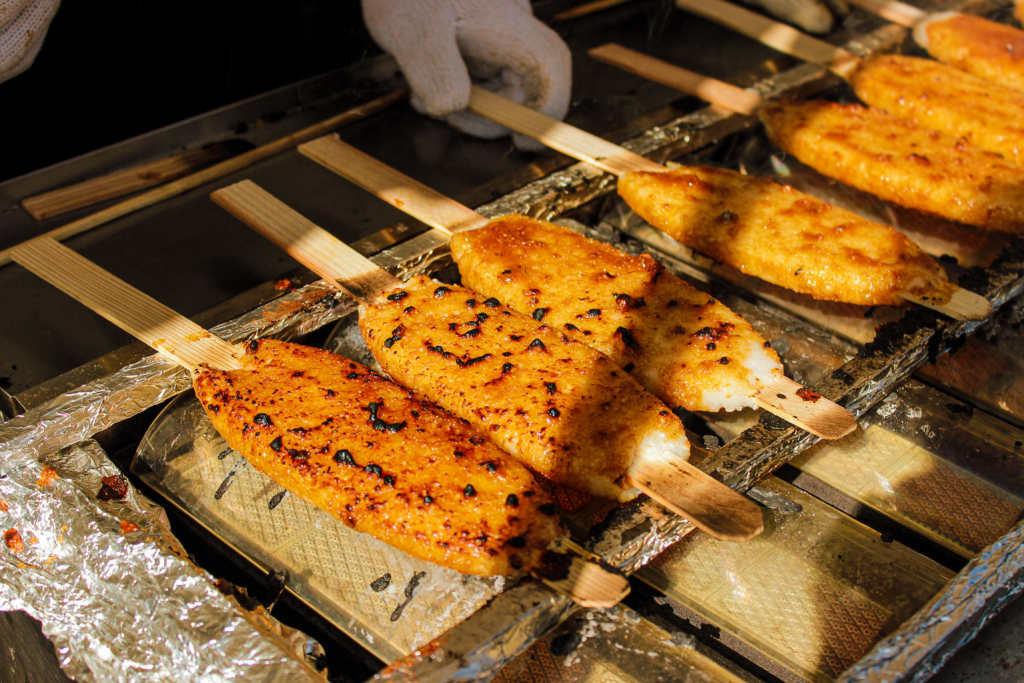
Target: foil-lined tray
point(840, 594)
point(932, 464)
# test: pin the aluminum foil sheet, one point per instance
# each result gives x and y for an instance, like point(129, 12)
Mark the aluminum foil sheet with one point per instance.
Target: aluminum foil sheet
point(96, 566)
point(613, 646)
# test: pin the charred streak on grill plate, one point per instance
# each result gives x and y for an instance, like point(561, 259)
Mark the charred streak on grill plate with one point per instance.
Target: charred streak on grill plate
point(277, 498)
point(409, 589)
point(229, 478)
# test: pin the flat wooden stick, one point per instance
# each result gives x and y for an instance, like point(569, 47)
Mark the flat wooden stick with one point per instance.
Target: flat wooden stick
point(220, 170)
point(588, 583)
point(803, 407)
point(586, 8)
point(560, 136)
point(774, 34)
point(305, 241)
point(668, 481)
point(711, 496)
point(96, 190)
point(896, 12)
point(397, 189)
point(146, 319)
point(960, 304)
point(716, 92)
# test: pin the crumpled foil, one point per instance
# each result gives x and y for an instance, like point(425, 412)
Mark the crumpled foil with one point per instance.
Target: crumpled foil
point(923, 644)
point(112, 590)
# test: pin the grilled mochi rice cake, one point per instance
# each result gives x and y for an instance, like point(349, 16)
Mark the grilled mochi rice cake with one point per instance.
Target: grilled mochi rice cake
point(682, 345)
point(380, 459)
point(565, 410)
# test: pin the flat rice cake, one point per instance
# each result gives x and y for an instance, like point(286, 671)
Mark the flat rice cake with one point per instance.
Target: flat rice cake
point(381, 460)
point(900, 162)
point(682, 345)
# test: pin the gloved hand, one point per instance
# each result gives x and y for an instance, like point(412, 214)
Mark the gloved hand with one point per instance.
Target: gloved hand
point(441, 45)
point(813, 16)
point(23, 25)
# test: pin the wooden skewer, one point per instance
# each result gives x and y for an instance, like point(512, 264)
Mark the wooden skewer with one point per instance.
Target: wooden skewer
point(170, 333)
point(959, 304)
point(681, 487)
point(191, 346)
point(783, 38)
point(826, 419)
point(177, 187)
point(586, 8)
point(896, 12)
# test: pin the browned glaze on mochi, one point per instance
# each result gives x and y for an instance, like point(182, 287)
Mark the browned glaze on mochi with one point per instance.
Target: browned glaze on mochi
point(380, 459)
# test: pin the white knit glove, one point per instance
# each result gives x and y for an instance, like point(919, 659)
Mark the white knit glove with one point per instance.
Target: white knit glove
point(813, 16)
point(441, 45)
point(23, 25)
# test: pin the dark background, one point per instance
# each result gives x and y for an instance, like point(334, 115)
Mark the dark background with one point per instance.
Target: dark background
point(111, 70)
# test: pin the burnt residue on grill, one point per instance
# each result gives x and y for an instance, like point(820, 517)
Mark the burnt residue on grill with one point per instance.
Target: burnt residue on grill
point(409, 592)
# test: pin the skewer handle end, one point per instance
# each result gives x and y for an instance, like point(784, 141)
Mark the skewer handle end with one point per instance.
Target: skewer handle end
point(806, 409)
point(689, 492)
point(962, 304)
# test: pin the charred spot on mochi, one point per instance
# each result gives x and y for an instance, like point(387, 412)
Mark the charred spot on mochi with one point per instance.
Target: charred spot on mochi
point(254, 345)
point(396, 334)
point(551, 387)
point(512, 501)
point(476, 440)
point(536, 345)
point(548, 509)
point(409, 309)
point(627, 338)
point(711, 302)
point(427, 500)
point(262, 419)
point(470, 334)
point(539, 313)
point(276, 444)
point(723, 361)
point(379, 424)
point(571, 327)
point(300, 456)
point(517, 542)
point(727, 217)
point(767, 345)
point(480, 317)
point(440, 292)
point(472, 361)
point(374, 470)
point(470, 303)
point(353, 375)
point(330, 393)
point(460, 454)
point(389, 480)
point(627, 303)
point(492, 303)
point(629, 367)
point(398, 296)
point(506, 272)
point(553, 412)
point(710, 346)
point(215, 408)
point(490, 465)
point(593, 312)
point(673, 303)
point(469, 491)
point(344, 457)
